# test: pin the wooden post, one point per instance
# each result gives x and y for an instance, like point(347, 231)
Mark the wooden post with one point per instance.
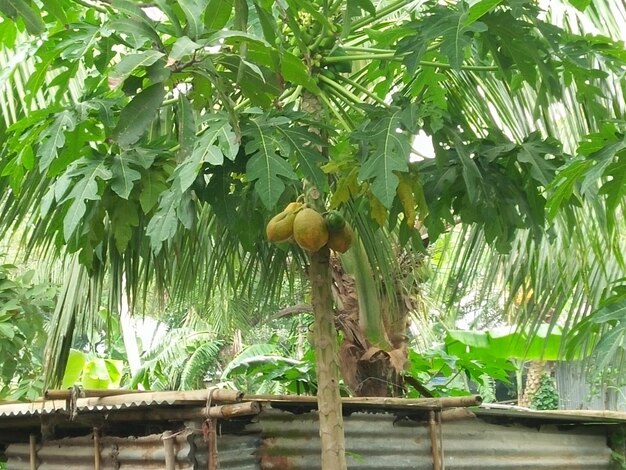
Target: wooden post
point(210, 438)
point(32, 445)
point(168, 444)
point(434, 441)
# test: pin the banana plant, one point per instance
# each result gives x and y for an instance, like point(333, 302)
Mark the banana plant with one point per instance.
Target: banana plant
point(152, 141)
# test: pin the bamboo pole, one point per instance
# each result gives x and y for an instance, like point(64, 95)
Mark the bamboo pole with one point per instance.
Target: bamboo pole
point(181, 414)
point(96, 448)
point(234, 410)
point(106, 397)
point(418, 403)
point(66, 394)
point(168, 444)
point(32, 448)
point(434, 441)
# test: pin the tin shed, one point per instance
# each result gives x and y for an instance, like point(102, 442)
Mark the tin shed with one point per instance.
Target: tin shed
point(210, 429)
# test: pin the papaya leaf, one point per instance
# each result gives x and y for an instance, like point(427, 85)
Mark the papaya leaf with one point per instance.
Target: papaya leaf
point(19, 8)
point(76, 45)
point(471, 174)
point(216, 142)
point(56, 8)
point(563, 187)
point(267, 165)
point(84, 188)
point(389, 149)
point(615, 188)
point(409, 204)
point(456, 29)
point(138, 114)
point(54, 138)
point(123, 175)
point(153, 184)
point(124, 219)
point(480, 9)
point(454, 26)
point(164, 224)
point(302, 144)
point(533, 151)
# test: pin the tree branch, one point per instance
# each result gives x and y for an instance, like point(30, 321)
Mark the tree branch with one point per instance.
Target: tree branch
point(417, 386)
point(293, 310)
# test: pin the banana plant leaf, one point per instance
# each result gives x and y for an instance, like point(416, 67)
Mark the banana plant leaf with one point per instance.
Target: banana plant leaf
point(509, 342)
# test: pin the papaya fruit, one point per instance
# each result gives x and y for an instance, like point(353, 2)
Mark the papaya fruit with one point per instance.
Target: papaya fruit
point(340, 241)
point(334, 221)
point(280, 227)
point(309, 230)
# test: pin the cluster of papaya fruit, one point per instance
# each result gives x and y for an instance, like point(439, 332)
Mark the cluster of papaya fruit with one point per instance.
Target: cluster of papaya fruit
point(310, 229)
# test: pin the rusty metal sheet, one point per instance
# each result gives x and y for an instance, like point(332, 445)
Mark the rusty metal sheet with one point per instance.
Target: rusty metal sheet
point(124, 453)
point(374, 440)
point(380, 441)
point(479, 445)
point(234, 452)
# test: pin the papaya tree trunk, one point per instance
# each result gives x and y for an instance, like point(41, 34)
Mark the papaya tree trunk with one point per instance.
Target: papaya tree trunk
point(326, 351)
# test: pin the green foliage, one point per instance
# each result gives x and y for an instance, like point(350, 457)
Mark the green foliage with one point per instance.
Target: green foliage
point(139, 143)
point(389, 151)
point(180, 360)
point(25, 308)
point(447, 370)
point(546, 397)
point(602, 334)
point(617, 443)
point(262, 369)
point(92, 372)
point(543, 343)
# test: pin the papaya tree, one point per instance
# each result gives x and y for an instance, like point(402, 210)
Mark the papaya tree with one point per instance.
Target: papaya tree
point(151, 143)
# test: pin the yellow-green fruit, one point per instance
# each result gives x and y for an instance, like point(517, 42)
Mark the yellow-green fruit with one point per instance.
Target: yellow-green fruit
point(309, 230)
point(280, 228)
point(292, 206)
point(342, 240)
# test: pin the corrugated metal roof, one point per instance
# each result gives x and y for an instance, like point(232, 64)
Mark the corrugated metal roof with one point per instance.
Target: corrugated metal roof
point(200, 398)
point(117, 402)
point(565, 416)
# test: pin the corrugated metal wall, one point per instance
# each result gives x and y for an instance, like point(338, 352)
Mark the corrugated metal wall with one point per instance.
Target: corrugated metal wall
point(283, 440)
point(77, 453)
point(575, 393)
point(377, 441)
point(234, 452)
